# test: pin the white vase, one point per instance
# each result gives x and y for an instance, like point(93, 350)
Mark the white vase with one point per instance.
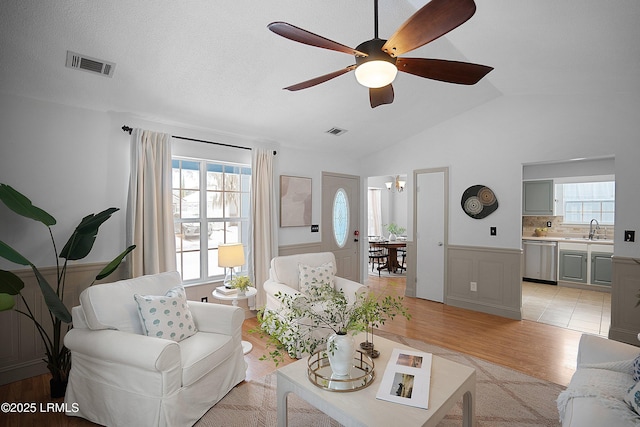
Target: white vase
point(241, 292)
point(344, 348)
point(392, 237)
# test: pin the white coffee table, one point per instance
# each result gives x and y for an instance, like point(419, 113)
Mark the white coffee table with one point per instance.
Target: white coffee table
point(234, 298)
point(450, 381)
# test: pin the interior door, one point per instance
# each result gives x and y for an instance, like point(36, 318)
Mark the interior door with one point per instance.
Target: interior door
point(430, 219)
point(341, 222)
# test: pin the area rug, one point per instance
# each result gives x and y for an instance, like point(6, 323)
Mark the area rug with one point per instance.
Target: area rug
point(386, 273)
point(504, 398)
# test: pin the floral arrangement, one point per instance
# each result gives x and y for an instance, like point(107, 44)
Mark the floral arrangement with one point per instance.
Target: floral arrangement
point(393, 228)
point(294, 330)
point(242, 283)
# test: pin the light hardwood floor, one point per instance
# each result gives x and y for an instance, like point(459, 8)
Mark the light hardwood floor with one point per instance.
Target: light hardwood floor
point(540, 350)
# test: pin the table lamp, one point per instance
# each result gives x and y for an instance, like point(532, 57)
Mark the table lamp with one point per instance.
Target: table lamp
point(230, 256)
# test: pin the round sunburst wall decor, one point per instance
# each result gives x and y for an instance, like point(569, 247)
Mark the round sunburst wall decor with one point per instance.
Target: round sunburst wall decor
point(479, 201)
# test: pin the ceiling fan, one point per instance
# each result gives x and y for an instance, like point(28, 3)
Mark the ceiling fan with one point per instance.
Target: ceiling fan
point(377, 60)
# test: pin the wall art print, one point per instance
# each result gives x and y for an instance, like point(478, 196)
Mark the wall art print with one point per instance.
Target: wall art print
point(479, 201)
point(295, 201)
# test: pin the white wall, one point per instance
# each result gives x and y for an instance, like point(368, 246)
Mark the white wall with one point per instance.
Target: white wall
point(72, 162)
point(489, 144)
point(68, 161)
point(309, 164)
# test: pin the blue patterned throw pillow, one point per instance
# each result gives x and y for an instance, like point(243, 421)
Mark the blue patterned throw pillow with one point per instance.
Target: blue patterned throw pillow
point(633, 398)
point(315, 276)
point(167, 316)
point(636, 369)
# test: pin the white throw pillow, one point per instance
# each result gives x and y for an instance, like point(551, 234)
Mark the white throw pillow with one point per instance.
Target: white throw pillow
point(166, 316)
point(315, 276)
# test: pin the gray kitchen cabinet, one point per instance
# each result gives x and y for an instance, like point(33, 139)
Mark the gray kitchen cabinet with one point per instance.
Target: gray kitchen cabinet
point(601, 266)
point(573, 266)
point(537, 198)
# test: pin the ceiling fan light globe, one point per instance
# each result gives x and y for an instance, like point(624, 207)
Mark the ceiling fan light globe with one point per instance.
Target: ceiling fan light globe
point(375, 74)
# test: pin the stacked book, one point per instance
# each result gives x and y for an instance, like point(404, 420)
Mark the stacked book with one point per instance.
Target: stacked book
point(226, 291)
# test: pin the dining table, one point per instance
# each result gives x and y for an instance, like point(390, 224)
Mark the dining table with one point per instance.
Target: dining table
point(392, 247)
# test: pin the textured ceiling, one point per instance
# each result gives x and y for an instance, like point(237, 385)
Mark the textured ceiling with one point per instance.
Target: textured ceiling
point(213, 64)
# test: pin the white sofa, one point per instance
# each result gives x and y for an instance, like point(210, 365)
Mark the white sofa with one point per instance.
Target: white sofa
point(122, 377)
point(596, 391)
point(284, 278)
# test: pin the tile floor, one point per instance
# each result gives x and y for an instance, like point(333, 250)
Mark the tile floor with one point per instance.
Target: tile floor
point(577, 309)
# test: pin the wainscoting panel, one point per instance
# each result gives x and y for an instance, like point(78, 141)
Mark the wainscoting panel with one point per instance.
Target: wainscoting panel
point(625, 316)
point(22, 350)
point(302, 248)
point(497, 274)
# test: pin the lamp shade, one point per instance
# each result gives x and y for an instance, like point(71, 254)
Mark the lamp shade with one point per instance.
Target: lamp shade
point(231, 255)
point(375, 74)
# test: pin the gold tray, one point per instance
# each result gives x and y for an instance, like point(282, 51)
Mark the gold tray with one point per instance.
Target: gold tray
point(320, 373)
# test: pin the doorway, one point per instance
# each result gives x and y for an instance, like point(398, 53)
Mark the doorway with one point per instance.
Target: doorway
point(431, 205)
point(341, 222)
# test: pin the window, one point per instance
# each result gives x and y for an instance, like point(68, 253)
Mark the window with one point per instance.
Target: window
point(374, 212)
point(210, 196)
point(581, 202)
point(340, 217)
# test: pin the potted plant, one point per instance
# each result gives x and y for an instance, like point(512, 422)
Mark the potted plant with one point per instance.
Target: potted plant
point(79, 245)
point(241, 283)
point(294, 330)
point(394, 231)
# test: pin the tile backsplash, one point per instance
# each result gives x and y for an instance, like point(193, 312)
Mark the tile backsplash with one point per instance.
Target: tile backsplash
point(559, 229)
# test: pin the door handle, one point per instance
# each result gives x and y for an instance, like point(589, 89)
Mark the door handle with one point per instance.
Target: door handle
point(440, 243)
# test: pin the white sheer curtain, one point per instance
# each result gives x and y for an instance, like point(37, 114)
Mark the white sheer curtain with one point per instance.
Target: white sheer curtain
point(149, 206)
point(263, 219)
point(375, 212)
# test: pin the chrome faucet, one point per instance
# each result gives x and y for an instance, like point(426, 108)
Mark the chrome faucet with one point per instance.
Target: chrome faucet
point(592, 231)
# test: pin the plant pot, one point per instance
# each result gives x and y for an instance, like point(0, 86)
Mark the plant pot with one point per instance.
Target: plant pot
point(340, 350)
point(392, 237)
point(57, 388)
point(242, 292)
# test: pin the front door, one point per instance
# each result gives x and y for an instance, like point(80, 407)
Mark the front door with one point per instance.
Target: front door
point(431, 200)
point(341, 222)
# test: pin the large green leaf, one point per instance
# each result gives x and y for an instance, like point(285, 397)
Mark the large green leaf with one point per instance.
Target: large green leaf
point(6, 302)
point(10, 283)
point(91, 223)
point(81, 241)
point(111, 267)
point(21, 205)
point(8, 253)
point(56, 307)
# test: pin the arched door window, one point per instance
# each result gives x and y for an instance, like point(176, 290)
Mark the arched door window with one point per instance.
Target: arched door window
point(340, 217)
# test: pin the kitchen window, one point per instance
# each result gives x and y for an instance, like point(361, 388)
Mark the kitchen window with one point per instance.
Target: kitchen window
point(580, 202)
point(211, 202)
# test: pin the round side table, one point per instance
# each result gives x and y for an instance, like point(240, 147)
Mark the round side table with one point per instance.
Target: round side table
point(234, 298)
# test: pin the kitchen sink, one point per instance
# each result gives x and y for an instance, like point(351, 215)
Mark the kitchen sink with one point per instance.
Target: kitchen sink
point(586, 239)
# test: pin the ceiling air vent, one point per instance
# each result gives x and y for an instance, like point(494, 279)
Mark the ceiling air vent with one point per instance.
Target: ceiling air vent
point(336, 131)
point(92, 65)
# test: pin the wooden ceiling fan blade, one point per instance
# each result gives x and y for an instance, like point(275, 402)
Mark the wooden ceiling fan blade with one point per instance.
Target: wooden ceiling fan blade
point(321, 79)
point(299, 35)
point(464, 73)
point(381, 95)
point(433, 20)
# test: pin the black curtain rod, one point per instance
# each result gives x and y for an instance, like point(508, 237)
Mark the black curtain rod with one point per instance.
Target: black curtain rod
point(128, 129)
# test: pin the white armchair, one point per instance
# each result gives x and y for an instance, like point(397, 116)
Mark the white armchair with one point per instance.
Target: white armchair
point(284, 278)
point(122, 377)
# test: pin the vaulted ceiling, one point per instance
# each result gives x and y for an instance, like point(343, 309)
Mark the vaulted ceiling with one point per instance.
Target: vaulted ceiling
point(214, 64)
